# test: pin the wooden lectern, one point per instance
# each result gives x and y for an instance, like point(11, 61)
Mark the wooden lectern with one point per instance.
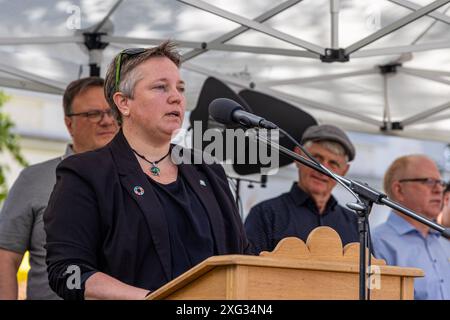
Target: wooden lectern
point(319, 269)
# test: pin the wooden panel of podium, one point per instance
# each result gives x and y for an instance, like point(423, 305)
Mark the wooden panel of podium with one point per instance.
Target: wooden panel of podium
point(318, 269)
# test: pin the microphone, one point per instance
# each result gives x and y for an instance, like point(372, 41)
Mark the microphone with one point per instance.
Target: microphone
point(227, 111)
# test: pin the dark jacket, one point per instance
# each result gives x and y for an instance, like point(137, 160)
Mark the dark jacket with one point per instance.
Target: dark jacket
point(96, 221)
point(295, 214)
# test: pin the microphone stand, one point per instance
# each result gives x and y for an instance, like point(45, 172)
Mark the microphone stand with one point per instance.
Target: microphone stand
point(368, 196)
point(263, 183)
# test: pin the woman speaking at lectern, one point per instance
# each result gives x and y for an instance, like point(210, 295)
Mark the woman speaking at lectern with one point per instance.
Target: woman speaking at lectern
point(127, 218)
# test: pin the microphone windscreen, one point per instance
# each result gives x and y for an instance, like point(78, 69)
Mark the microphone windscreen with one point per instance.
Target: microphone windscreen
point(222, 110)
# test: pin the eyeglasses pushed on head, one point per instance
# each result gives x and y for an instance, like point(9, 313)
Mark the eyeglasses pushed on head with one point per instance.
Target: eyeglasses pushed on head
point(128, 52)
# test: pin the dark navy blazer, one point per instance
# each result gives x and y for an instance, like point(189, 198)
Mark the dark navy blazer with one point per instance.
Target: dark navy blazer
point(96, 221)
point(295, 214)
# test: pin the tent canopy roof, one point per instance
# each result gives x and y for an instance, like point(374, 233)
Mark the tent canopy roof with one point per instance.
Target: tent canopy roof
point(274, 46)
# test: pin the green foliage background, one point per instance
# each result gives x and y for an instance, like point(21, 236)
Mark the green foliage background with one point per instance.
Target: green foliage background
point(8, 143)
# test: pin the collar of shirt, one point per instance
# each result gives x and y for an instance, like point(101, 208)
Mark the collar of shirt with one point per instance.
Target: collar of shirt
point(301, 198)
point(69, 152)
point(401, 226)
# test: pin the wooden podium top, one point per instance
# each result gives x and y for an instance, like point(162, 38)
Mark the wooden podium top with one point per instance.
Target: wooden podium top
point(322, 251)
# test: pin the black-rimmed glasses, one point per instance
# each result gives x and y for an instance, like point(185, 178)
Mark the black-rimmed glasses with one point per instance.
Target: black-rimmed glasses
point(426, 181)
point(128, 52)
point(94, 116)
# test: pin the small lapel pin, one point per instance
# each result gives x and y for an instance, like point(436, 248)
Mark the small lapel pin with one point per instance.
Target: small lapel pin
point(139, 190)
point(202, 183)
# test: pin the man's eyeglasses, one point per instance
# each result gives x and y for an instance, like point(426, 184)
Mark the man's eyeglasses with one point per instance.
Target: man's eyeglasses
point(427, 181)
point(94, 116)
point(128, 52)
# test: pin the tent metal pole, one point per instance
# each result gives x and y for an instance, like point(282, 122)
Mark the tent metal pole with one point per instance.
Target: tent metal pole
point(433, 119)
point(93, 42)
point(395, 25)
point(298, 100)
point(274, 51)
point(262, 50)
point(216, 46)
point(428, 72)
point(32, 77)
point(334, 11)
point(228, 79)
point(23, 84)
point(424, 32)
point(318, 78)
point(401, 49)
point(40, 40)
point(255, 25)
point(321, 106)
point(148, 41)
point(410, 5)
point(422, 115)
point(386, 110)
point(234, 33)
point(95, 61)
point(425, 76)
point(404, 56)
point(423, 134)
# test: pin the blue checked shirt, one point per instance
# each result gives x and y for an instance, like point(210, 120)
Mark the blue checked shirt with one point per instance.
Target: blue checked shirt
point(400, 244)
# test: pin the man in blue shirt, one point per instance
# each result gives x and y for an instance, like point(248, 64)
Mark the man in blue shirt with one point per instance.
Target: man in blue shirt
point(415, 182)
point(309, 204)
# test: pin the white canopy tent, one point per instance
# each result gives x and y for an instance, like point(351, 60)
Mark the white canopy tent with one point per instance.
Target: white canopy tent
point(371, 66)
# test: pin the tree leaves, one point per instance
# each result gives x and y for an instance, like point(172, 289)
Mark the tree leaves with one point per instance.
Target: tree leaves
point(8, 143)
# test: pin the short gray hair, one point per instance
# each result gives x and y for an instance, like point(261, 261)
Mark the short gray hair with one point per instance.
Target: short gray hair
point(129, 73)
point(129, 82)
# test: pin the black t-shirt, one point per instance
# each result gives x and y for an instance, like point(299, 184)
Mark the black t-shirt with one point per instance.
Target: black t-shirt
point(190, 233)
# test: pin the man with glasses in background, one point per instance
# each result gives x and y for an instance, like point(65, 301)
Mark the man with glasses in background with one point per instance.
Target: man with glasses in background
point(91, 124)
point(414, 181)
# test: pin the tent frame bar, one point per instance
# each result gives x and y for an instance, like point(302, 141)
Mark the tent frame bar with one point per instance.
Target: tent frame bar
point(255, 26)
point(262, 50)
point(32, 77)
point(23, 84)
point(319, 78)
point(437, 73)
point(423, 115)
point(401, 49)
point(424, 75)
point(214, 46)
point(395, 25)
point(410, 5)
point(147, 41)
point(6, 41)
point(432, 119)
point(234, 33)
point(334, 12)
point(281, 95)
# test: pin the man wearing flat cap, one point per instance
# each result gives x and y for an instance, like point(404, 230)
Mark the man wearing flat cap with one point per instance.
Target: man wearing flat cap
point(309, 204)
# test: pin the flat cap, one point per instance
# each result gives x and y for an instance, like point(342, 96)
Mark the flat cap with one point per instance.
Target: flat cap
point(330, 133)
